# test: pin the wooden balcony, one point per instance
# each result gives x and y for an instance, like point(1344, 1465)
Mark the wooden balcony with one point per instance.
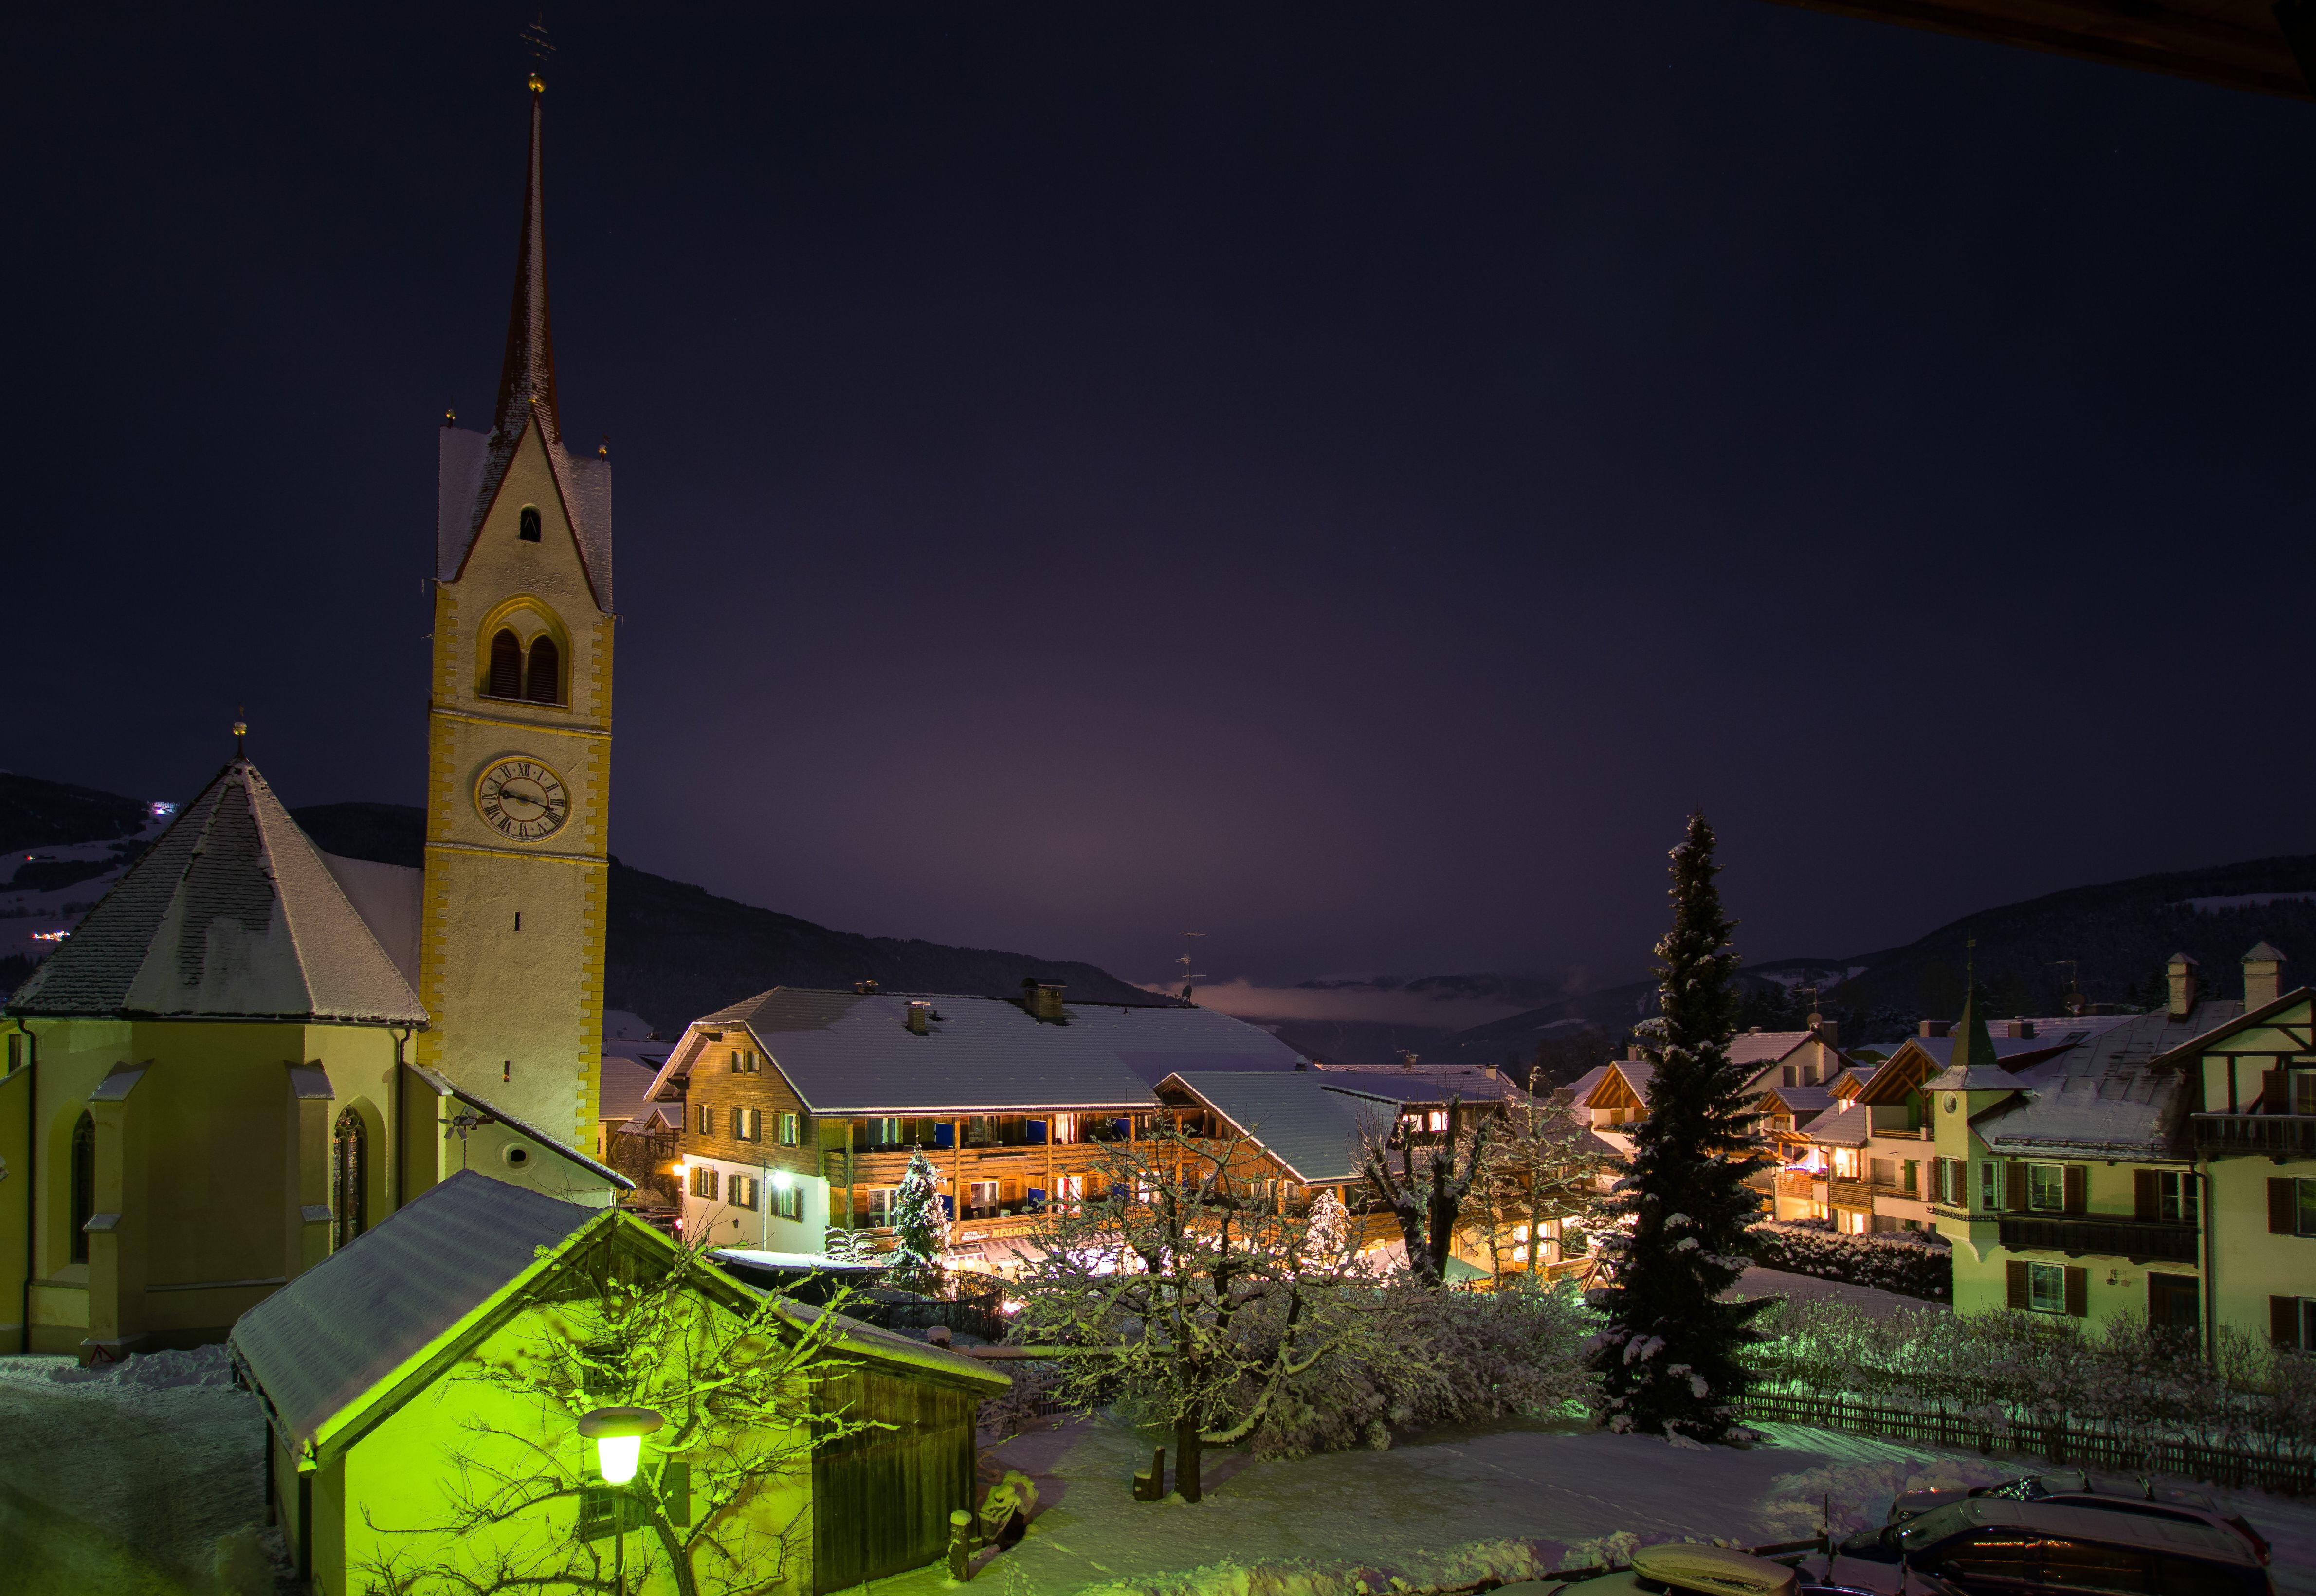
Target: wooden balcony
point(1800, 1185)
point(2281, 1136)
point(2139, 1241)
point(1850, 1194)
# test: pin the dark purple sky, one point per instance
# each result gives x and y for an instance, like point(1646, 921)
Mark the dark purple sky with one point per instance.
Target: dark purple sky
point(1343, 478)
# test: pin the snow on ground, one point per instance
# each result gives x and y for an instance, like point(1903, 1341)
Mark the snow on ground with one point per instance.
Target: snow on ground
point(147, 1482)
point(1511, 1501)
point(1773, 1282)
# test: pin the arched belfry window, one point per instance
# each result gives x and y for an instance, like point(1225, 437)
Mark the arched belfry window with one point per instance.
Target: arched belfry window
point(506, 666)
point(349, 1179)
point(529, 529)
point(545, 685)
point(83, 1184)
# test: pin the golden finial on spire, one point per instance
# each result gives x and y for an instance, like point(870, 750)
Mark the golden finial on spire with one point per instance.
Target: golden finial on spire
point(240, 729)
point(534, 38)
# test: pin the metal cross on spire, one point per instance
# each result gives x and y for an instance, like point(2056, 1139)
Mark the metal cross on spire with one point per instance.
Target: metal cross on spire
point(534, 38)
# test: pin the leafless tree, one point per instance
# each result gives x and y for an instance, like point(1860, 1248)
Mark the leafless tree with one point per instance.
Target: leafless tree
point(736, 1379)
point(1427, 1196)
point(1539, 1166)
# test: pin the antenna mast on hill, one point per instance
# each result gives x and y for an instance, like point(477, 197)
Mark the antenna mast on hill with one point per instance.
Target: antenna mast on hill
point(1190, 977)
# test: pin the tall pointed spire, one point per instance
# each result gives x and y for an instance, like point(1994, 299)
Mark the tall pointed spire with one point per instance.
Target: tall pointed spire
point(1973, 1047)
point(527, 380)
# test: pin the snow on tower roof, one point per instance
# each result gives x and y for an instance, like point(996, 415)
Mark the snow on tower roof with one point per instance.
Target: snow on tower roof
point(230, 914)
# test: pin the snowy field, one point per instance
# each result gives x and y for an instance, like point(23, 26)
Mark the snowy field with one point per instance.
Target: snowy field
point(140, 1484)
point(1511, 1501)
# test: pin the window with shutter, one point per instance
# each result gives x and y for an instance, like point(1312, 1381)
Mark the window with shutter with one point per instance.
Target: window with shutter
point(2143, 1196)
point(544, 684)
point(2282, 1201)
point(2079, 1293)
point(506, 666)
point(2014, 1187)
point(2016, 1272)
point(2046, 1188)
point(2283, 1321)
point(2176, 1198)
point(2078, 1188)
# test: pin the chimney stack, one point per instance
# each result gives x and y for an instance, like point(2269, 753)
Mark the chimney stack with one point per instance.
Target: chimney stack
point(920, 1015)
point(864, 988)
point(1937, 1028)
point(1042, 999)
point(1829, 1031)
point(2263, 976)
point(2181, 967)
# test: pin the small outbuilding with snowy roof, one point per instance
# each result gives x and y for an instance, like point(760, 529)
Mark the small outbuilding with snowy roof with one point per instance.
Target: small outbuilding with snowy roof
point(423, 1391)
point(207, 1092)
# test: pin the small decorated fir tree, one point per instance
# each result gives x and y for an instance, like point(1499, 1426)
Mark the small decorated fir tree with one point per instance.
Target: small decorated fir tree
point(1671, 1356)
point(920, 1227)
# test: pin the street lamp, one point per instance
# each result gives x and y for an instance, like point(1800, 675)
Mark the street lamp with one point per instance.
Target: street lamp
point(619, 1434)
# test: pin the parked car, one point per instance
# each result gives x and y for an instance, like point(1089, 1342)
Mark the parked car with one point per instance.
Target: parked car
point(1697, 1570)
point(1995, 1545)
point(2082, 1491)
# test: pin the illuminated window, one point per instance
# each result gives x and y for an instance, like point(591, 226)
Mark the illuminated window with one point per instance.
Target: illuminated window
point(743, 1192)
point(787, 1202)
point(703, 1181)
point(527, 526)
point(748, 1125)
point(704, 1119)
point(789, 1129)
point(881, 1201)
point(1437, 1120)
point(1990, 1185)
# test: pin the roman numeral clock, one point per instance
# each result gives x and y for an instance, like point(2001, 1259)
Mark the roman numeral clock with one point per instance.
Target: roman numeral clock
point(521, 799)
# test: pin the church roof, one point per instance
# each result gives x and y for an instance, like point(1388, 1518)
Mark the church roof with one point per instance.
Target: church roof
point(474, 464)
point(231, 914)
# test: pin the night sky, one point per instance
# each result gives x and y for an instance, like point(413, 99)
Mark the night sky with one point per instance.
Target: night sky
point(1346, 479)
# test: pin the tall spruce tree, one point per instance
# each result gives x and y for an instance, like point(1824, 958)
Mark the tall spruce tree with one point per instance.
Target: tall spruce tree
point(1671, 1355)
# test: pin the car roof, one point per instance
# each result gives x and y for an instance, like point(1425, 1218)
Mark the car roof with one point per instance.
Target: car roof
point(2147, 1531)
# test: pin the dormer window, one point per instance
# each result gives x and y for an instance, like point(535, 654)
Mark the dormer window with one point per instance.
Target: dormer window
point(528, 529)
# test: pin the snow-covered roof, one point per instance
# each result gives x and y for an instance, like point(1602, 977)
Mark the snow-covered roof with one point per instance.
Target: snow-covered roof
point(349, 1333)
point(2113, 1094)
point(1314, 1127)
point(232, 914)
point(1803, 1103)
point(328, 1340)
point(1765, 1046)
point(1424, 1084)
point(1850, 1125)
point(854, 1053)
point(627, 1079)
point(446, 1087)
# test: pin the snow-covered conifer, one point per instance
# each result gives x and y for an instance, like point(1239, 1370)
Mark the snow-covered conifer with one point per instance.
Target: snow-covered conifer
point(920, 1227)
point(1672, 1355)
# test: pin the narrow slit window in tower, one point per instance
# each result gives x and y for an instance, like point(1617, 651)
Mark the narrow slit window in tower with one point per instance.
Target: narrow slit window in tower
point(349, 1177)
point(83, 1184)
point(529, 529)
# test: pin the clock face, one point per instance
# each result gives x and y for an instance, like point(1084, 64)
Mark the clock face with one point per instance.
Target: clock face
point(521, 799)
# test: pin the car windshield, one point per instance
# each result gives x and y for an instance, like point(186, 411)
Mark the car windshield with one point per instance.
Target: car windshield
point(1934, 1526)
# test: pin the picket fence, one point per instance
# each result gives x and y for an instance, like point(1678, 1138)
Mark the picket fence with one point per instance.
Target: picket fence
point(2059, 1443)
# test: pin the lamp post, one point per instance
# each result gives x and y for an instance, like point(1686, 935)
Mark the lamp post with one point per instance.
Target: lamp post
point(619, 1434)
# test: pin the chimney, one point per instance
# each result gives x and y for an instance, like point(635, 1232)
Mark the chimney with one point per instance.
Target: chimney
point(2263, 976)
point(1937, 1028)
point(864, 988)
point(920, 1016)
point(2181, 967)
point(1636, 1052)
point(1829, 1031)
point(1042, 999)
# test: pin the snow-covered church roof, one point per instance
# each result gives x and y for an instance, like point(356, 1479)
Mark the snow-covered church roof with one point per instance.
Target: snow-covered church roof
point(230, 914)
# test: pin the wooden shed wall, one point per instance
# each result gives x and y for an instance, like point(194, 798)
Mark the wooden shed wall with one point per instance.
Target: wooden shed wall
point(881, 1499)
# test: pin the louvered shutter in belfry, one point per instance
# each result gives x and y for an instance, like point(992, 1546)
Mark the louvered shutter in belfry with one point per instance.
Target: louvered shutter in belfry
point(546, 684)
point(506, 666)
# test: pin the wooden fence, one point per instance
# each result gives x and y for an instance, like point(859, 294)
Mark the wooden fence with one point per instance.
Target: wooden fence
point(2060, 1442)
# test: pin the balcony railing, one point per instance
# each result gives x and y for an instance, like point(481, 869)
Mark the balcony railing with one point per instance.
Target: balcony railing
point(2277, 1135)
point(2139, 1241)
point(1798, 1184)
point(1850, 1194)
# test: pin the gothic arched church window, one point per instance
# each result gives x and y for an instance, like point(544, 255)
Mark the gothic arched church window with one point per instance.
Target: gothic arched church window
point(545, 684)
point(528, 530)
point(83, 1184)
point(349, 1179)
point(506, 666)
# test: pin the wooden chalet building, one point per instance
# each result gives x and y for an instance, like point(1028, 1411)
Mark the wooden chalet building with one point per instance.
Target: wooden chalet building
point(801, 1109)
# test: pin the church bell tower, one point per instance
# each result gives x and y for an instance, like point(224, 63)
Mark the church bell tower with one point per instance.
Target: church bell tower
point(518, 737)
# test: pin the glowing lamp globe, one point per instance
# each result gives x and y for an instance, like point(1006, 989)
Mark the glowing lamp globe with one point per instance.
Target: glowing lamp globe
point(619, 1434)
